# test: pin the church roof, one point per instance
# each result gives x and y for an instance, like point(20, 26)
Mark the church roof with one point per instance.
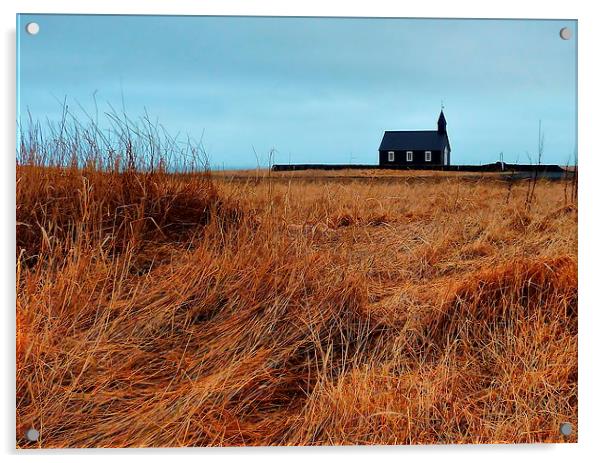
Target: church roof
point(413, 140)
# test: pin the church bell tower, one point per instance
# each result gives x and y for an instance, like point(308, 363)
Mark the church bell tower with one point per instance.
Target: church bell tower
point(441, 124)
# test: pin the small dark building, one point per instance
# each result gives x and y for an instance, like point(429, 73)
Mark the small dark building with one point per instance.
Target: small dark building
point(416, 148)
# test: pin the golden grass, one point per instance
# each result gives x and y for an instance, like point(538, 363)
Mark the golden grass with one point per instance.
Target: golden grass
point(196, 310)
point(375, 174)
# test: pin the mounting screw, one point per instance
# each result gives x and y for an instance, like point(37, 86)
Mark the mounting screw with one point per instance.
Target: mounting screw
point(566, 429)
point(565, 33)
point(32, 28)
point(32, 435)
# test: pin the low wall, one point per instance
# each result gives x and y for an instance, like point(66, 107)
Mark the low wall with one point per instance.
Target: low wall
point(495, 167)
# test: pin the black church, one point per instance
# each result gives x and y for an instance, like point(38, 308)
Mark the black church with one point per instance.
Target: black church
point(416, 148)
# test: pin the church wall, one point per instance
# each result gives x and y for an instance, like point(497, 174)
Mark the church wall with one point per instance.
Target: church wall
point(418, 158)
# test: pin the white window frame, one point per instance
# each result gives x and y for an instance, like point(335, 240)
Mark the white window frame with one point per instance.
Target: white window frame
point(409, 156)
point(391, 156)
point(428, 156)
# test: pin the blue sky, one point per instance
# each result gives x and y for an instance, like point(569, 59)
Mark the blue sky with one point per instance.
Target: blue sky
point(314, 89)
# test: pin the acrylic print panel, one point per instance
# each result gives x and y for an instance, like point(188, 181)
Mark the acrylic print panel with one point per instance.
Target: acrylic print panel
point(242, 231)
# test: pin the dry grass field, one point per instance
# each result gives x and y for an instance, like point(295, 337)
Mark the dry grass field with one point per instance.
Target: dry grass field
point(156, 309)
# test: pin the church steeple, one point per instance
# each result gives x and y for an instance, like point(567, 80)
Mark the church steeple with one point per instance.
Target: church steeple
point(442, 124)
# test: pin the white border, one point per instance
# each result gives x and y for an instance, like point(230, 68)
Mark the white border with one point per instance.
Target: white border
point(590, 160)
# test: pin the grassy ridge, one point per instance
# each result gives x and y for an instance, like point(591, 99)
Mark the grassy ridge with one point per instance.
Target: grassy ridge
point(158, 309)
